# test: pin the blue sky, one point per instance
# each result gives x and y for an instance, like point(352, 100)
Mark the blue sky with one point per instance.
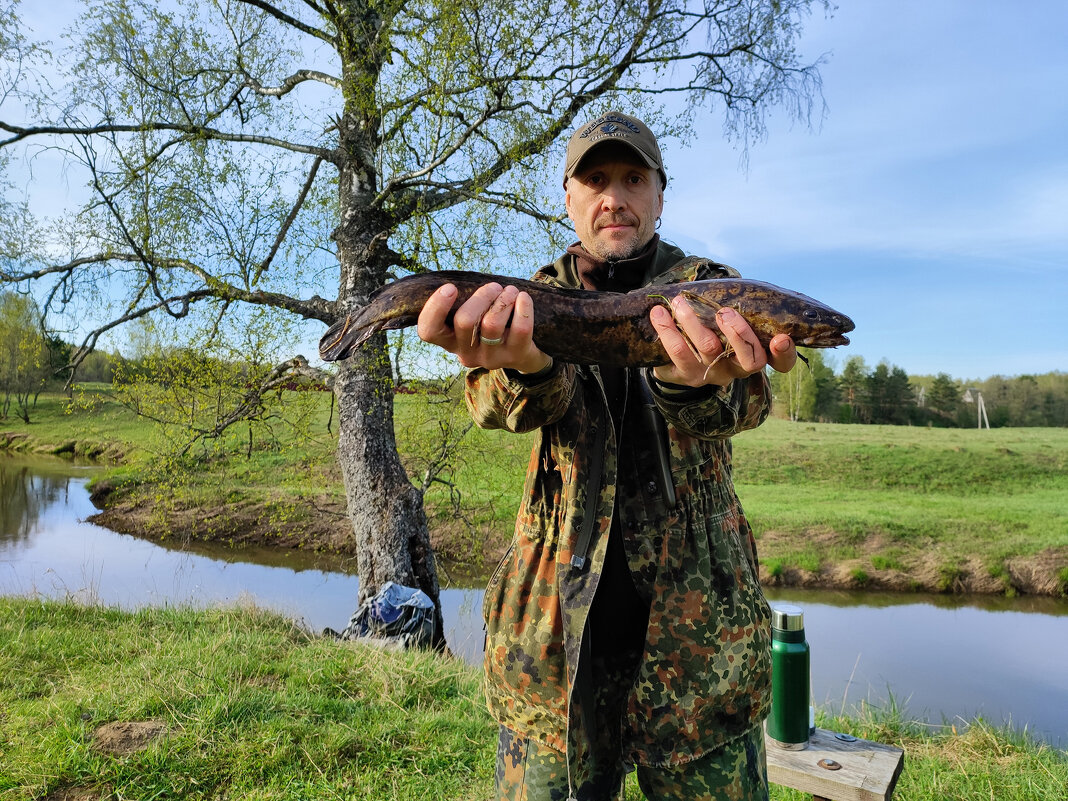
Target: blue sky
point(931, 204)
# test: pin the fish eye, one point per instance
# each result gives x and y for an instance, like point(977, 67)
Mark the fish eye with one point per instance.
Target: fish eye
point(811, 314)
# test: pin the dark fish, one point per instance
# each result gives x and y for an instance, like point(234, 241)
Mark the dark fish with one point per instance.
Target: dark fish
point(600, 327)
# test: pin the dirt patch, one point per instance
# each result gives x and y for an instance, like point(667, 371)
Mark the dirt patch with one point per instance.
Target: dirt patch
point(322, 525)
point(78, 794)
point(924, 570)
point(1043, 572)
point(121, 737)
point(467, 554)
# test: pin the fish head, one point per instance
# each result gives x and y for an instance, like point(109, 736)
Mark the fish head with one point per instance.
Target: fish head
point(820, 326)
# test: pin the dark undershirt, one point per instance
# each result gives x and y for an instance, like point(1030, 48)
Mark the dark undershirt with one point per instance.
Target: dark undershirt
point(618, 615)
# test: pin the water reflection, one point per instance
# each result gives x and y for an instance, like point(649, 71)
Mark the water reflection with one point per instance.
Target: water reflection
point(940, 657)
point(47, 548)
point(28, 489)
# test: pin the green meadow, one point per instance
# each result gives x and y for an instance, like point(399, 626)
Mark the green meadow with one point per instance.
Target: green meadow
point(241, 704)
point(833, 505)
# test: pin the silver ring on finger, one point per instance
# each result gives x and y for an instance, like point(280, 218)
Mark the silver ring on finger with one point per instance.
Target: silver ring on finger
point(489, 341)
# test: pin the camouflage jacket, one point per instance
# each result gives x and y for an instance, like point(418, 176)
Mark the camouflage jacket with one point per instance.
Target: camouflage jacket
point(705, 673)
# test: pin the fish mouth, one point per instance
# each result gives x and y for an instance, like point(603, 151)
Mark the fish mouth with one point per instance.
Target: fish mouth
point(825, 341)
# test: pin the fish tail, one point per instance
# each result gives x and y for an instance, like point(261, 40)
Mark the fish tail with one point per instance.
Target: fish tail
point(343, 337)
point(382, 314)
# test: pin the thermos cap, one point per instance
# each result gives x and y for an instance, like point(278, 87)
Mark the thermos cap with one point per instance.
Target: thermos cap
point(787, 617)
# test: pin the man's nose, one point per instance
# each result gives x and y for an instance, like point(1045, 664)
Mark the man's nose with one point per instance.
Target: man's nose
point(613, 198)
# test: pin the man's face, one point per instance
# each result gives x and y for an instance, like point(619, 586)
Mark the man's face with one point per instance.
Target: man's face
point(613, 199)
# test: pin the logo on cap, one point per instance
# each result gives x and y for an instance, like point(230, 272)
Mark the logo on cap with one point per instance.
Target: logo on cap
point(614, 126)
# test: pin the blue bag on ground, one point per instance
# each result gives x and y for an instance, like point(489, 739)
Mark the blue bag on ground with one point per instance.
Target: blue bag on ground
point(400, 615)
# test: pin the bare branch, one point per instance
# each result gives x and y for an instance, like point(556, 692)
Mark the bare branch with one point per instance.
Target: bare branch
point(20, 133)
point(293, 22)
point(291, 82)
point(287, 224)
point(313, 308)
point(278, 376)
point(441, 159)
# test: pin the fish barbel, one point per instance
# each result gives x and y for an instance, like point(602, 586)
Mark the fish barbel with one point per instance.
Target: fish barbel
point(585, 327)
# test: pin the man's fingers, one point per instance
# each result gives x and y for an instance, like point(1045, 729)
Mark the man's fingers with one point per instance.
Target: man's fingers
point(431, 325)
point(494, 322)
point(782, 353)
point(678, 349)
point(705, 343)
point(522, 327)
point(748, 352)
point(467, 322)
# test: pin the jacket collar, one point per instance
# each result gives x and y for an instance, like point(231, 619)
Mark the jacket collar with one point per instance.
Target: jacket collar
point(657, 258)
point(616, 275)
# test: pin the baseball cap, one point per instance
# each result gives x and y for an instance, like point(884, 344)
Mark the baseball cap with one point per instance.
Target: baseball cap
point(617, 127)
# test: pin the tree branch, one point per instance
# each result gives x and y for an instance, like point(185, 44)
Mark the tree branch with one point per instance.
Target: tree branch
point(20, 133)
point(293, 22)
point(293, 81)
point(288, 222)
point(278, 376)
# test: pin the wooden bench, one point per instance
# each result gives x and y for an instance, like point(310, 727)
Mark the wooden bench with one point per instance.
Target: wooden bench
point(837, 767)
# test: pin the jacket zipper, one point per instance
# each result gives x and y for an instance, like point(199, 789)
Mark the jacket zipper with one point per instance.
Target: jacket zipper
point(589, 517)
point(578, 561)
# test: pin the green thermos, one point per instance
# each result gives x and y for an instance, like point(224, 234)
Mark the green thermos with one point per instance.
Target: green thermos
point(788, 723)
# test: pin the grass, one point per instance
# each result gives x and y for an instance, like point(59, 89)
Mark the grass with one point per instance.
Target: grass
point(916, 503)
point(917, 500)
point(249, 705)
point(245, 705)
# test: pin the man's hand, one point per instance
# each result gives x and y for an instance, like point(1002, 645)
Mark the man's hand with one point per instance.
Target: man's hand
point(695, 369)
point(493, 328)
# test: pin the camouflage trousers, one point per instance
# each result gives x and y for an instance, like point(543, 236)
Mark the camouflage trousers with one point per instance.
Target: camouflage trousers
point(530, 771)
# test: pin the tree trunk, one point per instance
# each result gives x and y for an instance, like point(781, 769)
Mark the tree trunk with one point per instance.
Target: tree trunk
point(386, 510)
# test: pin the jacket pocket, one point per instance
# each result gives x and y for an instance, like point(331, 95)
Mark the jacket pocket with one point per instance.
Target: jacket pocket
point(493, 587)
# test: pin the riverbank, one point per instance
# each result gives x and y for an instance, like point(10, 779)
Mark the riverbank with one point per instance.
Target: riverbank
point(833, 506)
point(239, 703)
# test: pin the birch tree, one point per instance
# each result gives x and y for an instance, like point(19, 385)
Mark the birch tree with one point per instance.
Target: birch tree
point(298, 154)
point(22, 354)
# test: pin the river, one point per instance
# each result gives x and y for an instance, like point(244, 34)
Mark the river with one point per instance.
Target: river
point(938, 658)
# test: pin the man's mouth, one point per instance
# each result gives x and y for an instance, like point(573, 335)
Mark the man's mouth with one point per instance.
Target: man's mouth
point(613, 223)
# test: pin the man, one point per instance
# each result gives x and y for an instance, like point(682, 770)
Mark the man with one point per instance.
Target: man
point(625, 625)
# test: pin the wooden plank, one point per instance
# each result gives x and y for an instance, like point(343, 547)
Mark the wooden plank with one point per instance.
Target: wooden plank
point(869, 770)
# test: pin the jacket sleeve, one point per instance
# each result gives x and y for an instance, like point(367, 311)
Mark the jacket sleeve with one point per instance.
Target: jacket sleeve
point(743, 404)
point(504, 399)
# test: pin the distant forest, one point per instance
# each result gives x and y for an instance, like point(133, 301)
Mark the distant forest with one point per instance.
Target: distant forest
point(883, 394)
point(887, 394)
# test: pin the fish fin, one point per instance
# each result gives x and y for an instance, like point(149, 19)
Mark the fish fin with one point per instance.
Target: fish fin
point(332, 343)
point(704, 308)
point(700, 307)
point(694, 297)
point(727, 352)
point(476, 332)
